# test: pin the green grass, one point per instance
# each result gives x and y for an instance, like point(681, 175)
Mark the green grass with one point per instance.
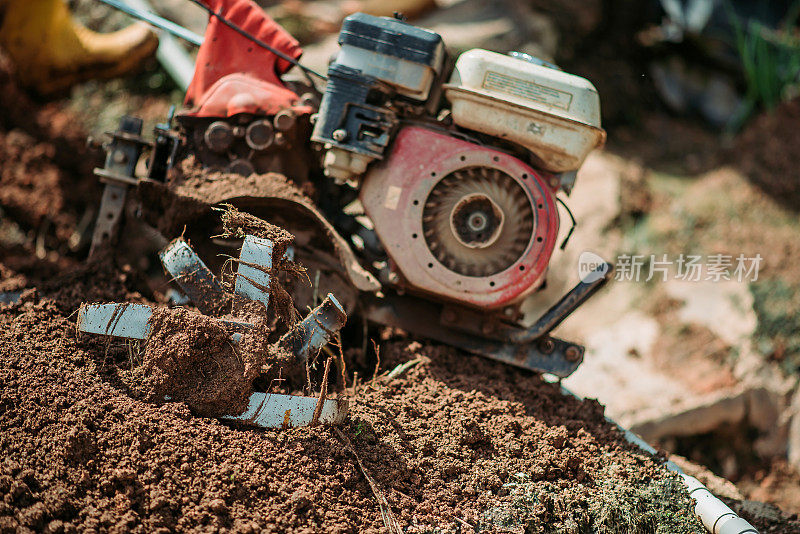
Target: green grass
point(777, 307)
point(621, 503)
point(770, 61)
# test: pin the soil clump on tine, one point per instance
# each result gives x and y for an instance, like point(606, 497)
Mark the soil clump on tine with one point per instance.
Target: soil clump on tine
point(189, 358)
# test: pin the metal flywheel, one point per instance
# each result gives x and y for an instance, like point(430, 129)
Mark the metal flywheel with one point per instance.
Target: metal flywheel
point(477, 221)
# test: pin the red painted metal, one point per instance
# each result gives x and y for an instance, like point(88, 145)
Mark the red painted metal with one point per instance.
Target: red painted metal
point(241, 93)
point(254, 70)
point(393, 194)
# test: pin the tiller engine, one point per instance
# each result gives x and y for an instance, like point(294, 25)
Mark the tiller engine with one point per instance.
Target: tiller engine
point(462, 197)
point(435, 182)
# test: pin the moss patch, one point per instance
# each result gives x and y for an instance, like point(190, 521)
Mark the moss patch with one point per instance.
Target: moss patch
point(623, 503)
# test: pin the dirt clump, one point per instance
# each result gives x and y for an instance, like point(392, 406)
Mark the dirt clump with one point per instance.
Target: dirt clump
point(192, 190)
point(213, 186)
point(238, 224)
point(190, 358)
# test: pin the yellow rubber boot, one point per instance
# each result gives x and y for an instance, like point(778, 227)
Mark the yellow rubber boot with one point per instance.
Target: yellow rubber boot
point(52, 52)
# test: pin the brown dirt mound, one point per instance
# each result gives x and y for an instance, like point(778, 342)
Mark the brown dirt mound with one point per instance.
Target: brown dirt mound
point(46, 167)
point(767, 153)
point(192, 190)
point(456, 439)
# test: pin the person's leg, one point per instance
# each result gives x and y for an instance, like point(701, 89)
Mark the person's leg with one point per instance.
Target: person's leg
point(52, 52)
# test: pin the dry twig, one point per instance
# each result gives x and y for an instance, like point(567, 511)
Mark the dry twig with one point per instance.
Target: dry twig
point(389, 519)
point(322, 394)
point(377, 350)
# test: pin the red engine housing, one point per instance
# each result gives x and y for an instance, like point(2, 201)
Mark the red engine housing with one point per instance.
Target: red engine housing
point(395, 190)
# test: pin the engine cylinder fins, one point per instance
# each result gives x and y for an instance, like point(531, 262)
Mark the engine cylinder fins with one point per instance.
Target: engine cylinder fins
point(477, 221)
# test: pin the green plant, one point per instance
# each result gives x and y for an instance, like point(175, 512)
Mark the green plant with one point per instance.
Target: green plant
point(770, 60)
point(777, 307)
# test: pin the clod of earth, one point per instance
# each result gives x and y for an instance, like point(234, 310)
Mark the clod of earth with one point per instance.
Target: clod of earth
point(189, 358)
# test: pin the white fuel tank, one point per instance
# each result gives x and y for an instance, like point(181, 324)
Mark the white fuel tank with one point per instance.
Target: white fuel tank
point(553, 114)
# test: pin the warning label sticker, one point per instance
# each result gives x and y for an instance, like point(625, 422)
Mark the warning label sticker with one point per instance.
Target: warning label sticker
point(526, 89)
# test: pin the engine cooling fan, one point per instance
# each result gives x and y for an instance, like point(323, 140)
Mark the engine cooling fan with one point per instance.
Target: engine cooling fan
point(461, 222)
point(477, 221)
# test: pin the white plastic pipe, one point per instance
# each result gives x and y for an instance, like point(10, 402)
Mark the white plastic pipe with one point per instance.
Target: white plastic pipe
point(716, 516)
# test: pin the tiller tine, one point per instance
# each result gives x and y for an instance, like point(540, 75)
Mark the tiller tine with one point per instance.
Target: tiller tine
point(273, 410)
point(255, 268)
point(132, 321)
point(126, 320)
point(194, 277)
point(308, 336)
point(303, 340)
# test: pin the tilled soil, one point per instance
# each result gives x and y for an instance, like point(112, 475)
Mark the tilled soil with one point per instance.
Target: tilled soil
point(456, 440)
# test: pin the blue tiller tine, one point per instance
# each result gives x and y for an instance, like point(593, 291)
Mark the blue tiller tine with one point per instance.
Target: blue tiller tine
point(272, 410)
point(194, 277)
point(308, 336)
point(116, 319)
point(251, 282)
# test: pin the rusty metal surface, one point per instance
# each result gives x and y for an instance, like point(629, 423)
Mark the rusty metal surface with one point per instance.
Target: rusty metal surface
point(545, 355)
point(109, 215)
point(122, 155)
point(394, 195)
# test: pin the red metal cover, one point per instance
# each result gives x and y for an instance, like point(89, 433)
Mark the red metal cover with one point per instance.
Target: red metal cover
point(242, 93)
point(225, 52)
point(394, 192)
